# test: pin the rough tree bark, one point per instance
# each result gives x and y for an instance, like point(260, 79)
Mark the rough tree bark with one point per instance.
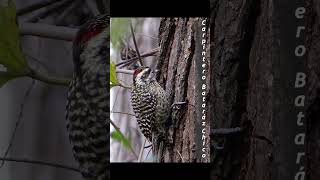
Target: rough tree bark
point(245, 71)
point(242, 49)
point(313, 89)
point(176, 65)
point(245, 64)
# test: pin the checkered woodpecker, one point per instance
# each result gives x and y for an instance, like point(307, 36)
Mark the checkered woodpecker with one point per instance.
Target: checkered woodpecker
point(88, 105)
point(150, 104)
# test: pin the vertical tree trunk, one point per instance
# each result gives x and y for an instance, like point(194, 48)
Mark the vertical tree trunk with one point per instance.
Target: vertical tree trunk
point(313, 89)
point(246, 67)
point(243, 47)
point(176, 65)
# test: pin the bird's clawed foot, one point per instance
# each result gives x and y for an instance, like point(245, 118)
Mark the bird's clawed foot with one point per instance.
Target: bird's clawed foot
point(178, 105)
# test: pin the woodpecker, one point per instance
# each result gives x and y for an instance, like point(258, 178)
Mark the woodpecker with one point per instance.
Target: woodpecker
point(87, 102)
point(150, 104)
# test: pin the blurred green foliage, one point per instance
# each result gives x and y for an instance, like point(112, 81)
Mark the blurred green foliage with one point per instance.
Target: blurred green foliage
point(113, 75)
point(120, 28)
point(118, 136)
point(11, 57)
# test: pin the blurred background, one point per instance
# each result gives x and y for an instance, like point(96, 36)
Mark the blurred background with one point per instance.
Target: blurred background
point(41, 134)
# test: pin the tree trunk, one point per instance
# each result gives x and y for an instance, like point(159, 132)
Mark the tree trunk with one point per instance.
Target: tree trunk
point(313, 89)
point(179, 42)
point(249, 73)
point(242, 49)
point(251, 86)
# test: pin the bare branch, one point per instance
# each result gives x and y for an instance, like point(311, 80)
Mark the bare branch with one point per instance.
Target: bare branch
point(29, 161)
point(140, 34)
point(117, 95)
point(124, 86)
point(141, 150)
point(50, 9)
point(116, 112)
point(134, 59)
point(225, 131)
point(263, 138)
point(48, 79)
point(135, 44)
point(148, 153)
point(47, 31)
point(35, 6)
point(124, 71)
point(66, 12)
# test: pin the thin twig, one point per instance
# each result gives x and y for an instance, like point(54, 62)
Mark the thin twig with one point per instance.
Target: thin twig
point(124, 86)
point(115, 112)
point(225, 131)
point(48, 79)
point(66, 12)
point(134, 59)
point(29, 161)
point(118, 129)
point(48, 31)
point(50, 9)
point(141, 150)
point(124, 71)
point(35, 6)
point(182, 159)
point(135, 44)
point(20, 118)
point(148, 153)
point(114, 104)
point(140, 34)
point(263, 138)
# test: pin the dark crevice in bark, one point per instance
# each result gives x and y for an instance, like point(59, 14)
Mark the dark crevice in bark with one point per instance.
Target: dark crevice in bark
point(242, 142)
point(238, 146)
point(166, 36)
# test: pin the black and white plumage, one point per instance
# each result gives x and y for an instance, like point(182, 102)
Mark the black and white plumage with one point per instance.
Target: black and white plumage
point(88, 99)
point(150, 104)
